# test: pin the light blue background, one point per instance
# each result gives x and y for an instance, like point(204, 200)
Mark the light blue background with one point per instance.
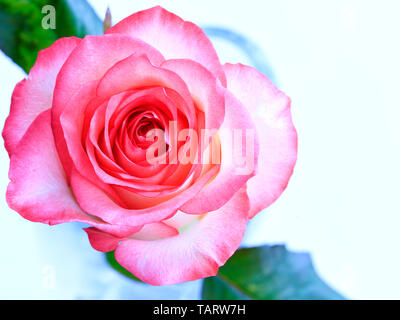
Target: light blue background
point(339, 62)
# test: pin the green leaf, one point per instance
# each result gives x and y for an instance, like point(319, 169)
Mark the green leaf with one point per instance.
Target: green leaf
point(22, 35)
point(268, 273)
point(76, 18)
point(110, 257)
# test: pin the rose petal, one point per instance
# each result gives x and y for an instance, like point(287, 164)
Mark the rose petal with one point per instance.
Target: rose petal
point(102, 241)
point(88, 62)
point(34, 95)
point(194, 254)
point(94, 201)
point(231, 176)
point(72, 121)
point(270, 110)
point(155, 231)
point(138, 72)
point(105, 242)
point(204, 88)
point(38, 190)
point(175, 38)
point(181, 220)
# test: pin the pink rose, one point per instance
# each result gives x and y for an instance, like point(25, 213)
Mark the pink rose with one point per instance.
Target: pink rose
point(83, 124)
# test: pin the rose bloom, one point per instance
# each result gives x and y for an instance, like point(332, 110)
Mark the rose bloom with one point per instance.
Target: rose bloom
point(80, 129)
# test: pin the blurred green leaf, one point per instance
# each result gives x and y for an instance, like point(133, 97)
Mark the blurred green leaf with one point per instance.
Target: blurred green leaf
point(76, 18)
point(22, 35)
point(110, 257)
point(268, 273)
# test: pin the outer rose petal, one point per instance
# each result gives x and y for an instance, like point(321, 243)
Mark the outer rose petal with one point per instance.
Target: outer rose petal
point(38, 189)
point(101, 241)
point(34, 95)
point(173, 37)
point(194, 254)
point(270, 109)
point(105, 242)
